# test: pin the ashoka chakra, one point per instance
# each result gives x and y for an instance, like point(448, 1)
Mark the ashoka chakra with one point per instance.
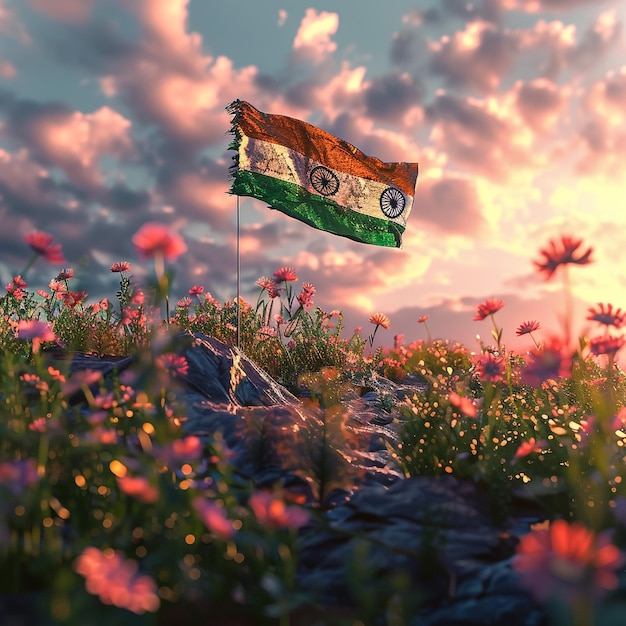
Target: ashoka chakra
point(324, 181)
point(392, 202)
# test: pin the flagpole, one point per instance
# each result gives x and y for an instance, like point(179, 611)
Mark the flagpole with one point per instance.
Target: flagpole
point(238, 277)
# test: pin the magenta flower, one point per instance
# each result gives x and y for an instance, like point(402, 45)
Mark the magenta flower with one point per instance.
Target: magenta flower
point(41, 243)
point(158, 240)
point(272, 512)
point(115, 580)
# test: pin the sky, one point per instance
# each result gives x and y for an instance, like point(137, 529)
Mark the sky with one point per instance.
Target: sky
point(113, 114)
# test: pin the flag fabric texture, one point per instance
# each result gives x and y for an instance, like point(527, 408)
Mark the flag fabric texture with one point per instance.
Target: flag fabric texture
point(319, 179)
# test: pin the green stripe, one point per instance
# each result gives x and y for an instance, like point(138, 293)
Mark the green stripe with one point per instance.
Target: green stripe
point(317, 211)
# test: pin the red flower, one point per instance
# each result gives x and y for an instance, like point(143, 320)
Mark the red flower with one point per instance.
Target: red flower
point(272, 512)
point(42, 244)
point(526, 328)
point(556, 255)
point(487, 308)
point(285, 274)
point(378, 319)
point(423, 319)
point(606, 345)
point(490, 368)
point(155, 239)
point(465, 405)
point(564, 559)
point(607, 316)
point(214, 517)
point(115, 580)
point(552, 360)
point(196, 290)
point(528, 447)
point(120, 266)
point(72, 298)
point(65, 274)
point(138, 487)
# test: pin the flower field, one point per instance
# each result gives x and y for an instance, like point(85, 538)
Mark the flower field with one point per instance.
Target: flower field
point(109, 514)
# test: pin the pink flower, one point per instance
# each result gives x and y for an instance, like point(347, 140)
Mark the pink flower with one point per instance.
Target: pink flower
point(155, 239)
point(528, 447)
point(35, 330)
point(65, 274)
point(42, 244)
point(182, 451)
point(422, 319)
point(285, 274)
point(138, 487)
point(214, 517)
point(72, 298)
point(465, 405)
point(561, 253)
point(605, 314)
point(116, 581)
point(184, 303)
point(606, 345)
point(490, 368)
point(526, 328)
point(272, 512)
point(565, 559)
point(487, 308)
point(379, 319)
point(196, 290)
point(173, 363)
point(552, 360)
point(120, 266)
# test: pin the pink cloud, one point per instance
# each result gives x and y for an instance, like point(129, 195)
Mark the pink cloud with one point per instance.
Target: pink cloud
point(479, 56)
point(314, 37)
point(540, 103)
point(603, 135)
point(76, 141)
point(75, 11)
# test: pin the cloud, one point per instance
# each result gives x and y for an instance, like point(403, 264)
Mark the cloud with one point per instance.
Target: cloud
point(602, 138)
point(71, 140)
point(540, 103)
point(388, 97)
point(537, 6)
point(313, 41)
point(450, 204)
point(479, 56)
point(75, 11)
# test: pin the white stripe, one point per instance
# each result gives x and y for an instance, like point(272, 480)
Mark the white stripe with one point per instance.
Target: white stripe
point(359, 194)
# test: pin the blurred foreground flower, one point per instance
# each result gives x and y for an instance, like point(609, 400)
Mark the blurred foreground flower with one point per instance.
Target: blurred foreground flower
point(567, 561)
point(605, 315)
point(115, 580)
point(562, 253)
point(158, 240)
point(552, 360)
point(42, 245)
point(272, 512)
point(37, 331)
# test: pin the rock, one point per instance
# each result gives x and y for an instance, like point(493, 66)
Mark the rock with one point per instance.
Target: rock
point(374, 531)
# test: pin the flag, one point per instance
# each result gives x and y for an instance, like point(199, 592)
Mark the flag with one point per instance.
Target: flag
point(319, 179)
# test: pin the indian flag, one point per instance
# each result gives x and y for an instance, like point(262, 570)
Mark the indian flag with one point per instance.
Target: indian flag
point(319, 179)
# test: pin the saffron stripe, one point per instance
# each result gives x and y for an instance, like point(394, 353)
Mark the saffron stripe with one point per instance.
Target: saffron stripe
point(358, 194)
point(322, 147)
